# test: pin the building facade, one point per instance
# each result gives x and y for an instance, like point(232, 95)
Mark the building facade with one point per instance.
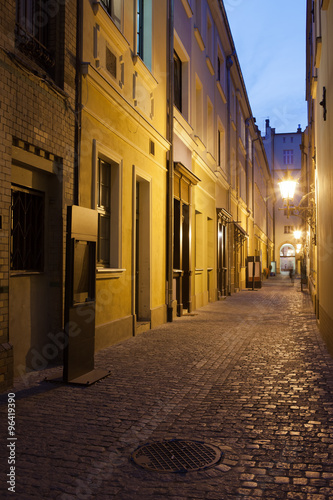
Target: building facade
point(136, 111)
point(37, 155)
point(317, 158)
point(285, 159)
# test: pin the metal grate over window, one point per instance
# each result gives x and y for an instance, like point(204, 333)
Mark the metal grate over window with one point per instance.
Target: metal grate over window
point(34, 29)
point(177, 456)
point(27, 230)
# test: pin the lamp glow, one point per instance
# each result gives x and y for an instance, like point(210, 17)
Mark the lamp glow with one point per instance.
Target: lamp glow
point(287, 187)
point(297, 234)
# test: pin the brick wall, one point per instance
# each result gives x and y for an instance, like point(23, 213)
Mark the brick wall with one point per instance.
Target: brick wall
point(39, 112)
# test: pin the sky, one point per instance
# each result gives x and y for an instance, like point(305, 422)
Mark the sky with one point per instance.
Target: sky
point(269, 36)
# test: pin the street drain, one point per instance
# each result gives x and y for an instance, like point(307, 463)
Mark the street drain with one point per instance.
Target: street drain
point(176, 456)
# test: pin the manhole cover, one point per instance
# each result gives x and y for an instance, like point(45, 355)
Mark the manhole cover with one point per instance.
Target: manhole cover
point(176, 456)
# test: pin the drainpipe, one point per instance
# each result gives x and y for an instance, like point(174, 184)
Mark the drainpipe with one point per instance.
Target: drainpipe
point(253, 191)
point(78, 100)
point(229, 65)
point(170, 202)
point(274, 200)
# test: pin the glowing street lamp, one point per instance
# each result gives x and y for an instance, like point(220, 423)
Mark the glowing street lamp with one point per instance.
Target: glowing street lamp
point(297, 234)
point(287, 187)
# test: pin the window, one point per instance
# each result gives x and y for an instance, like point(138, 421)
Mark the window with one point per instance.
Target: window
point(139, 28)
point(221, 147)
point(104, 212)
point(220, 68)
point(210, 126)
point(178, 81)
point(27, 230)
point(107, 201)
point(288, 156)
point(144, 31)
point(114, 9)
point(209, 38)
point(35, 31)
point(288, 229)
point(198, 107)
point(198, 14)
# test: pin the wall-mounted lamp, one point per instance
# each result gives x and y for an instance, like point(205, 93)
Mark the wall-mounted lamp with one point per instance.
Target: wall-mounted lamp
point(323, 104)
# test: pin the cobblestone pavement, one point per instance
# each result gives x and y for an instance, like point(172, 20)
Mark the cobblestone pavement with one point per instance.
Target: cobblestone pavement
point(249, 374)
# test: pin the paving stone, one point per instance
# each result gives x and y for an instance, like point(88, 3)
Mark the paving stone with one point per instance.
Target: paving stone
point(249, 374)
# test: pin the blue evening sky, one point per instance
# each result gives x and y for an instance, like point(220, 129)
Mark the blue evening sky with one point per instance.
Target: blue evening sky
point(269, 37)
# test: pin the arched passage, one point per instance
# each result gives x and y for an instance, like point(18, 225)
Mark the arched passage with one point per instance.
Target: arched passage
point(287, 258)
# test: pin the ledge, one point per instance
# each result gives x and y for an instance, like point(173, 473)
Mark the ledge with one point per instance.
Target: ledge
point(242, 147)
point(199, 39)
point(187, 8)
point(144, 72)
point(108, 273)
point(210, 65)
point(199, 143)
point(314, 84)
point(220, 89)
point(108, 25)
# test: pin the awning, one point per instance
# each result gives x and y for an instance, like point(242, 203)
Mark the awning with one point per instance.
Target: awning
point(240, 233)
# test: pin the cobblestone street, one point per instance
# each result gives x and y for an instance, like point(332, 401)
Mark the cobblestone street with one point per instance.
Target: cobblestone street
point(249, 374)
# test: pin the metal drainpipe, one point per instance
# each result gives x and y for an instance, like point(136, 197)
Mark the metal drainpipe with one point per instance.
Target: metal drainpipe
point(274, 200)
point(170, 220)
point(78, 100)
point(253, 168)
point(229, 65)
point(267, 250)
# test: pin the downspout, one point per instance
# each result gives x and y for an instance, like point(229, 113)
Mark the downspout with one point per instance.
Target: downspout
point(247, 142)
point(78, 100)
point(170, 202)
point(229, 65)
point(267, 246)
point(274, 198)
point(253, 169)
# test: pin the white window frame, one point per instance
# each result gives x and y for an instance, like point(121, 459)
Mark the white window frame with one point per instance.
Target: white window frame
point(104, 153)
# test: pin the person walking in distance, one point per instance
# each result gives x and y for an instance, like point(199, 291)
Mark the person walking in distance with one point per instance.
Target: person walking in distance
point(291, 275)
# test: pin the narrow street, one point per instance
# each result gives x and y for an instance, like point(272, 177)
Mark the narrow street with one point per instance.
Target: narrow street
point(249, 374)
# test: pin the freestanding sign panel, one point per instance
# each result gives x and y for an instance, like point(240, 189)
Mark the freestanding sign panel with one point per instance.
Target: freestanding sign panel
point(80, 297)
point(253, 272)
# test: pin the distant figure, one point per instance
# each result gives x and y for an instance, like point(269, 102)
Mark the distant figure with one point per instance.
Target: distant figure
point(291, 275)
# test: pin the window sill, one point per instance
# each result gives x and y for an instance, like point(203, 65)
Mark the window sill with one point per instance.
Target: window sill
point(144, 73)
point(25, 273)
point(220, 89)
point(104, 273)
point(198, 38)
point(187, 8)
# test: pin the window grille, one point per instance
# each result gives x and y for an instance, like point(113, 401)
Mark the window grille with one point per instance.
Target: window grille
point(27, 230)
point(33, 30)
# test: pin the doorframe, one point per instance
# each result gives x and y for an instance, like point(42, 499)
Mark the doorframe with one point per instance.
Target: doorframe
point(138, 176)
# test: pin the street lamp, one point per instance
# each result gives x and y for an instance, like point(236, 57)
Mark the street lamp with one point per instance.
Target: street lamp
point(287, 188)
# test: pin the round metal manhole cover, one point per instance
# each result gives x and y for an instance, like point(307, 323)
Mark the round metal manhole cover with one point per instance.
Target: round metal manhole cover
point(177, 456)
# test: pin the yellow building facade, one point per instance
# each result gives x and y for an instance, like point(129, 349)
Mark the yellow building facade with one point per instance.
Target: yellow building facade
point(123, 170)
point(317, 160)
